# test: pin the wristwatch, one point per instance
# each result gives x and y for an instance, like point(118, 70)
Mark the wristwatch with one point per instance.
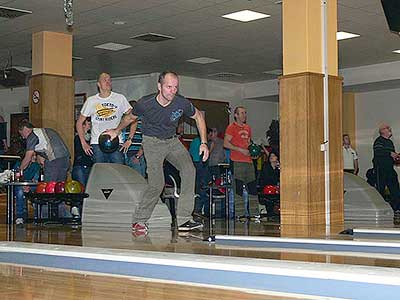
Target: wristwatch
point(204, 143)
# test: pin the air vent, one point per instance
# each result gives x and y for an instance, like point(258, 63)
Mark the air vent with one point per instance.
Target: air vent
point(152, 37)
point(225, 75)
point(11, 13)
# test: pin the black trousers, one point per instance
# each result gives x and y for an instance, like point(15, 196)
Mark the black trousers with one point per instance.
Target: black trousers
point(387, 177)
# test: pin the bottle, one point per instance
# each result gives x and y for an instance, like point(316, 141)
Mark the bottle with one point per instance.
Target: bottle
point(245, 196)
point(17, 175)
point(41, 175)
point(12, 175)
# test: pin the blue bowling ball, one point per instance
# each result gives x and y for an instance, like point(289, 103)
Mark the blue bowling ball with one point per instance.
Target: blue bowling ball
point(108, 145)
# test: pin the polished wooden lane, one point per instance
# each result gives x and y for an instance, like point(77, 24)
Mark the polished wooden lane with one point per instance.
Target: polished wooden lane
point(164, 240)
point(26, 283)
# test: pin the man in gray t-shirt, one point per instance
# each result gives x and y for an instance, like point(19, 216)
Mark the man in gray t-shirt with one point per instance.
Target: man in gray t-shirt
point(160, 114)
point(47, 143)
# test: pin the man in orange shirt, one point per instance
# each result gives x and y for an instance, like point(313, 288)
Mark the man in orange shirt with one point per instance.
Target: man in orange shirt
point(237, 139)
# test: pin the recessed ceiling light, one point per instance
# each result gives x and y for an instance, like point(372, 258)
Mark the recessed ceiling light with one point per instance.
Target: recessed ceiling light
point(152, 37)
point(225, 75)
point(246, 16)
point(119, 22)
point(342, 35)
point(203, 60)
point(396, 51)
point(112, 46)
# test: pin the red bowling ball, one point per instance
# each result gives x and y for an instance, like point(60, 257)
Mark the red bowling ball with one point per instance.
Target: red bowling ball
point(41, 187)
point(60, 187)
point(50, 187)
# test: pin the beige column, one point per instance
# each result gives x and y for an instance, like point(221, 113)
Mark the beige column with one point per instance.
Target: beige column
point(51, 87)
point(302, 119)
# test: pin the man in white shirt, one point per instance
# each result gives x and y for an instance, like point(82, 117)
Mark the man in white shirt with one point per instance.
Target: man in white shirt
point(106, 110)
point(350, 158)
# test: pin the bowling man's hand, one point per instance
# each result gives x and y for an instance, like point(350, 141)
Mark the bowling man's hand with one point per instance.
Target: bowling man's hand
point(113, 133)
point(87, 148)
point(204, 151)
point(125, 146)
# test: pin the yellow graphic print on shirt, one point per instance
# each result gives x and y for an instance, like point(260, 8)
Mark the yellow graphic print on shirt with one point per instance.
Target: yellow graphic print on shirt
point(106, 111)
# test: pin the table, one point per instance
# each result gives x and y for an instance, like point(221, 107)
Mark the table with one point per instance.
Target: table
point(10, 197)
point(10, 204)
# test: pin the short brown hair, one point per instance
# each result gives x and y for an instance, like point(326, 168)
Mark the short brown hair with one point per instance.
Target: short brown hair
point(24, 123)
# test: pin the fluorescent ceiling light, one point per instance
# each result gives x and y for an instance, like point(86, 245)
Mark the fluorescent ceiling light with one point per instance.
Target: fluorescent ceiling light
point(112, 46)
point(277, 72)
point(119, 22)
point(342, 35)
point(396, 51)
point(22, 69)
point(203, 60)
point(245, 16)
point(77, 58)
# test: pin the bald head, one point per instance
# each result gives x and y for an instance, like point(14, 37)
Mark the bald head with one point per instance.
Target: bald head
point(385, 130)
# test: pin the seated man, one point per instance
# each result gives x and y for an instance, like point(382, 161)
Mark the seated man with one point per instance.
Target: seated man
point(31, 174)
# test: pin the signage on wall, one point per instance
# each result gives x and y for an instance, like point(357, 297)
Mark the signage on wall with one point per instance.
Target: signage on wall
point(36, 96)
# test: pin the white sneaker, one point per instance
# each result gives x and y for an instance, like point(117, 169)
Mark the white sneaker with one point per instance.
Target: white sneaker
point(75, 212)
point(19, 221)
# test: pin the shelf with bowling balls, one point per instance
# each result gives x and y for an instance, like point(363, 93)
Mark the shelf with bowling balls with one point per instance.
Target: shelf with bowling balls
point(71, 192)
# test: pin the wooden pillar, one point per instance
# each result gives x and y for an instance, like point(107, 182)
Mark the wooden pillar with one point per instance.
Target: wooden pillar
point(302, 119)
point(51, 87)
point(349, 117)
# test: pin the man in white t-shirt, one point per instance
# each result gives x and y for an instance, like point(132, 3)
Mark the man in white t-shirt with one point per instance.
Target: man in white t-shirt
point(106, 110)
point(350, 158)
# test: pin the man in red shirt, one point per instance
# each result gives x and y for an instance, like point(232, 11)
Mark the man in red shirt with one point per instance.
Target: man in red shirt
point(237, 139)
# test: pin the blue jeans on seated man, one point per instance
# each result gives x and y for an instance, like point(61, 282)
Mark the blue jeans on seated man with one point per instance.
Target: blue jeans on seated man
point(81, 174)
point(20, 202)
point(201, 202)
point(101, 157)
point(140, 167)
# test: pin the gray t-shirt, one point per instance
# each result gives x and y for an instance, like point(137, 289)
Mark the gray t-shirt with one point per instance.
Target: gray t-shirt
point(47, 143)
point(162, 121)
point(217, 156)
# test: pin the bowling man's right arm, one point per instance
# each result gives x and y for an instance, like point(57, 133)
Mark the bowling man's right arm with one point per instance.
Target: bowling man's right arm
point(126, 120)
point(79, 128)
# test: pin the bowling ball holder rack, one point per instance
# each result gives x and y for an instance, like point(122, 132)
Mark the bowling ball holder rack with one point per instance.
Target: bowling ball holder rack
point(52, 201)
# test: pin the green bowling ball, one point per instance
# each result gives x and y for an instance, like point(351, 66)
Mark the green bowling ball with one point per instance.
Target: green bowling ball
point(254, 150)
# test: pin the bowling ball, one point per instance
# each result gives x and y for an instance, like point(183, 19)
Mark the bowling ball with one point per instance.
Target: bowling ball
point(82, 188)
point(106, 144)
point(41, 187)
point(72, 187)
point(270, 190)
point(50, 187)
point(254, 150)
point(60, 187)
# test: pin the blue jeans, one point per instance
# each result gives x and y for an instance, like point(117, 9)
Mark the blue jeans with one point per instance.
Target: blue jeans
point(140, 167)
point(20, 202)
point(81, 174)
point(101, 157)
point(202, 177)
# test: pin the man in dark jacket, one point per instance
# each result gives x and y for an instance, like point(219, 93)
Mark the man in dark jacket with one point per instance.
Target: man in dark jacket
point(384, 159)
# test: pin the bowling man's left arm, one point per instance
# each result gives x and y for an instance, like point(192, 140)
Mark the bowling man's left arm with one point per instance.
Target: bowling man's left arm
point(201, 126)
